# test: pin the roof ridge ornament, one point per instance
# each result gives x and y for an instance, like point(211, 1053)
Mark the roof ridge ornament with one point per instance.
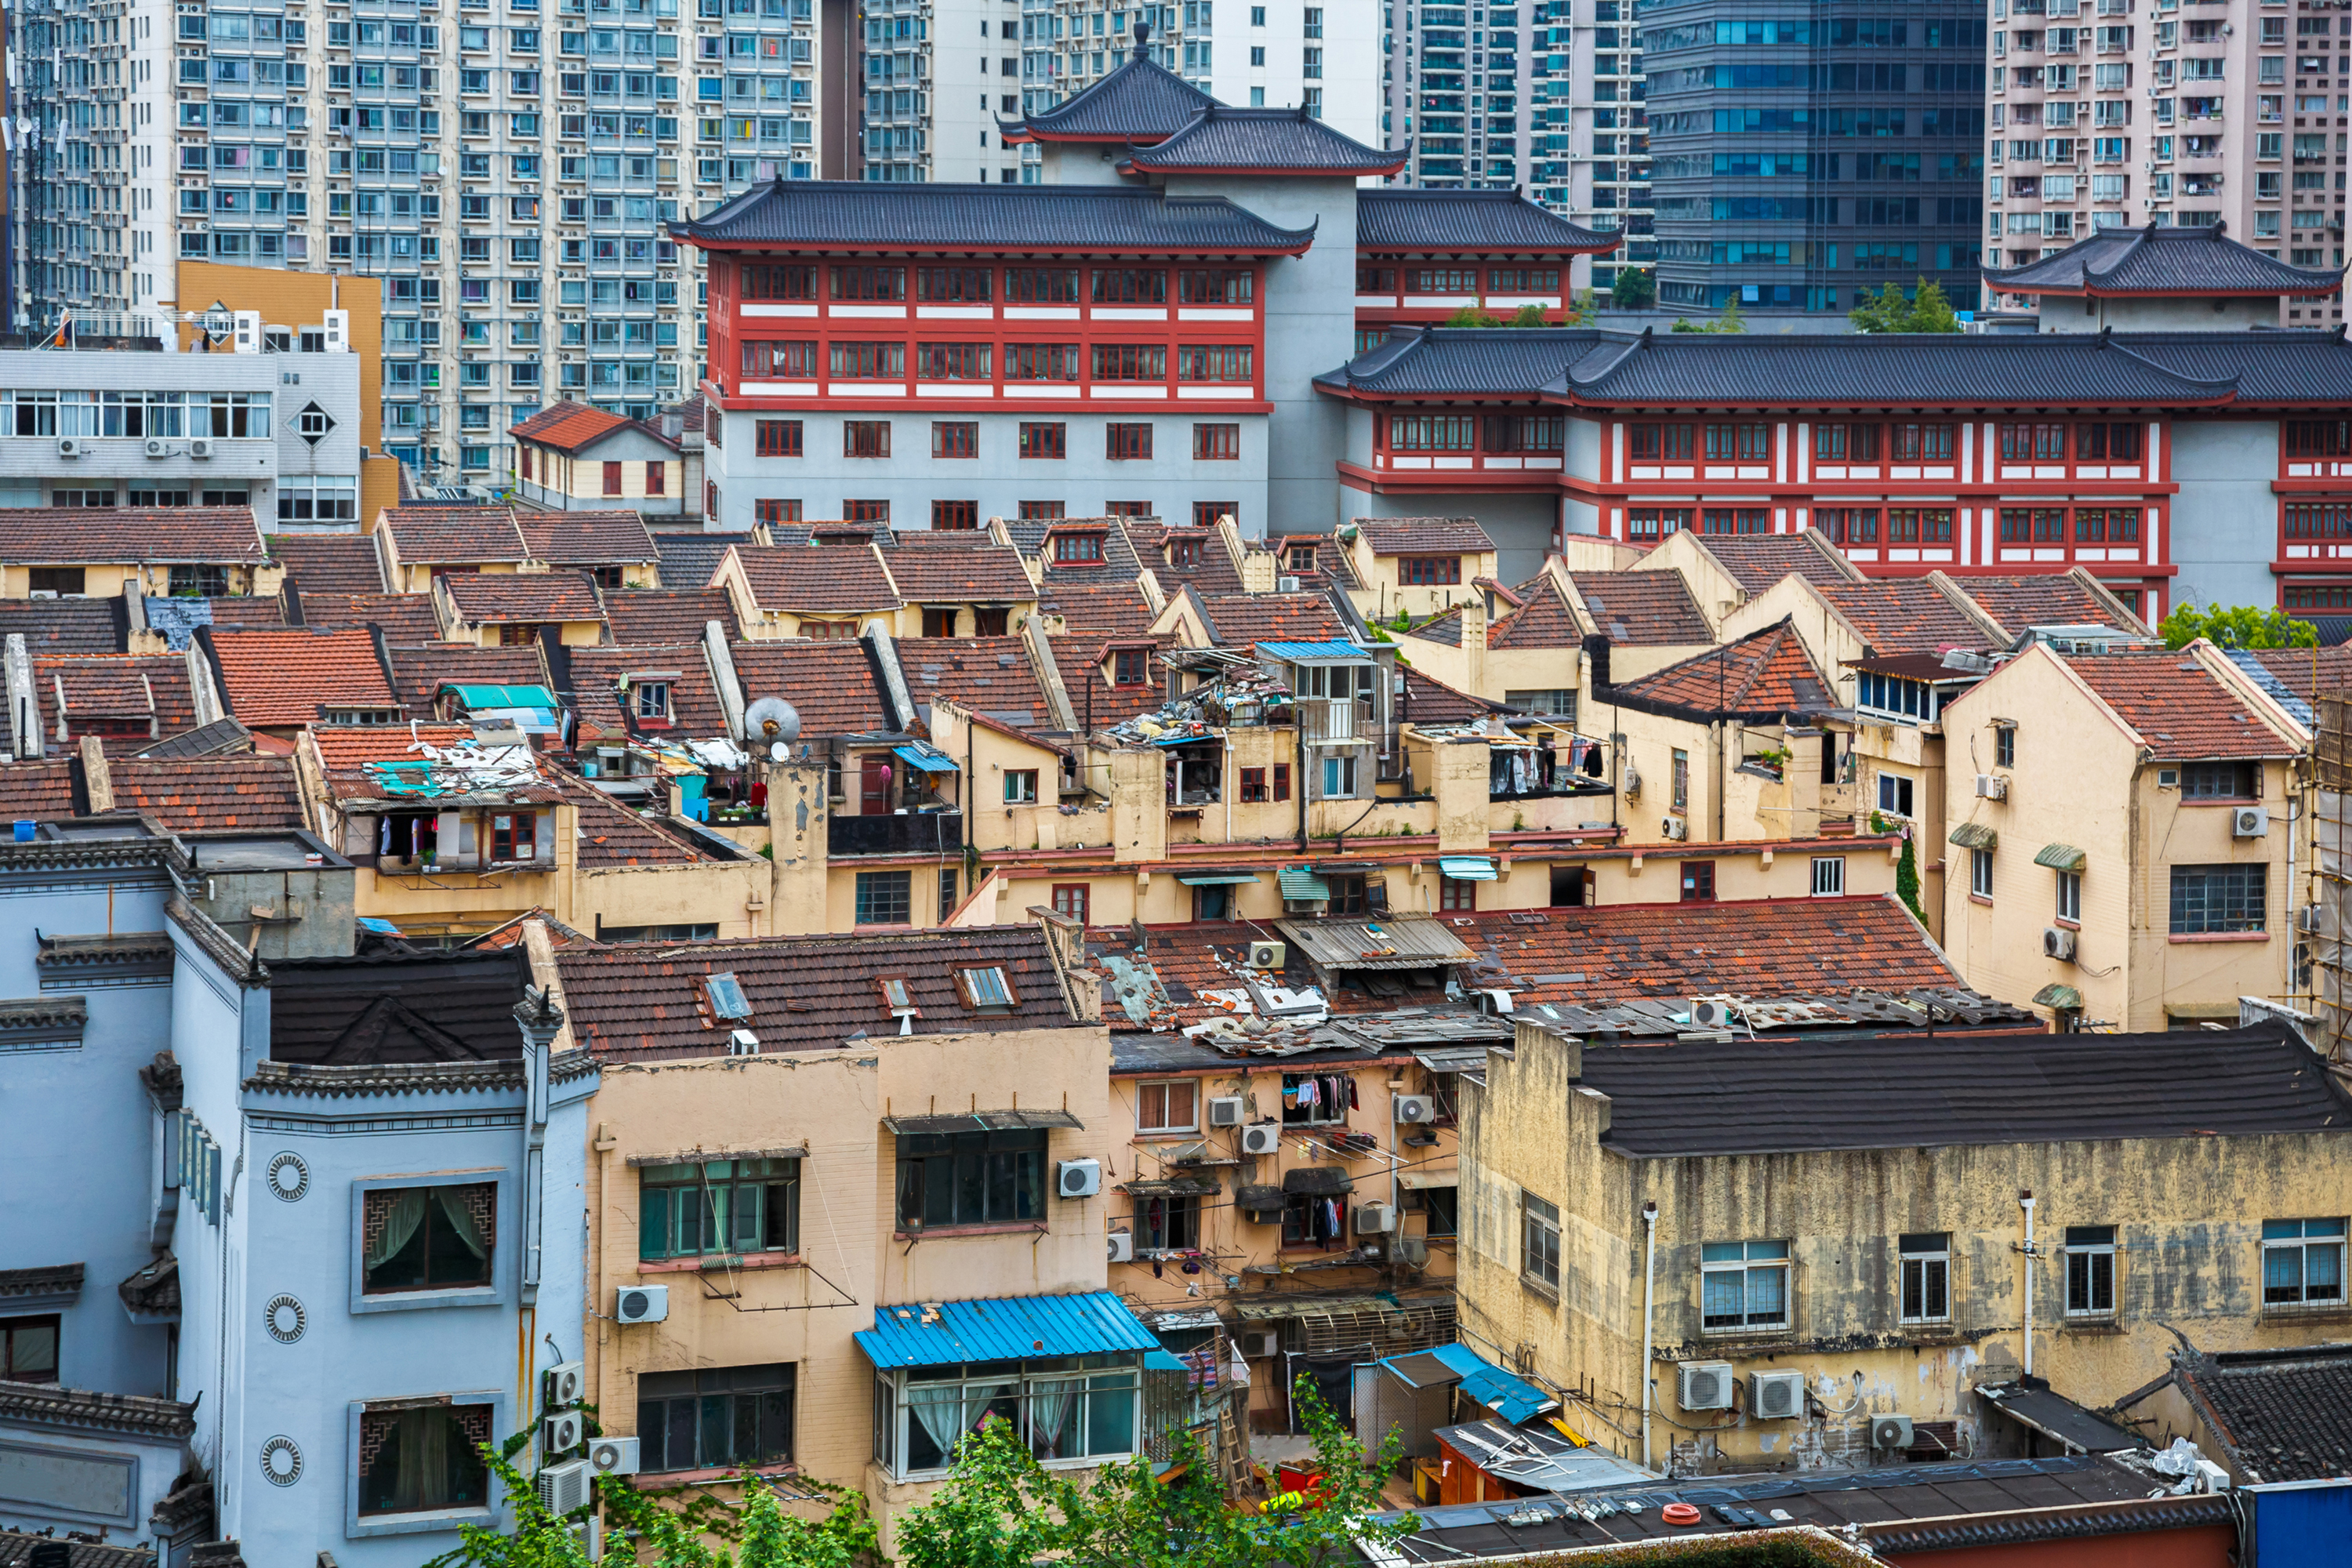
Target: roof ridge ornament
point(1143, 40)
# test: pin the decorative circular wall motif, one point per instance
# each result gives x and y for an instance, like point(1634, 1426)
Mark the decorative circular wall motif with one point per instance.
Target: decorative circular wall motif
point(290, 1178)
point(281, 1462)
point(285, 1318)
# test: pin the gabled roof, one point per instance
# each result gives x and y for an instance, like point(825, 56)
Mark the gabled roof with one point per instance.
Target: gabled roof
point(1034, 538)
point(615, 538)
point(423, 669)
point(817, 575)
point(194, 794)
point(404, 617)
point(1496, 362)
point(1222, 140)
point(1100, 609)
point(208, 536)
point(1331, 564)
point(2045, 599)
point(1904, 615)
point(2161, 260)
point(1085, 219)
point(242, 609)
point(274, 678)
point(1088, 668)
point(991, 675)
point(1216, 572)
point(1457, 222)
point(1237, 620)
point(1428, 701)
point(575, 427)
point(534, 598)
point(428, 535)
point(613, 835)
point(144, 688)
point(65, 626)
point(1765, 673)
point(1642, 608)
point(956, 568)
point(40, 791)
point(597, 672)
point(688, 559)
point(666, 615)
point(830, 682)
point(329, 563)
point(2281, 1414)
point(1137, 101)
point(432, 1006)
point(1423, 535)
point(1757, 561)
point(1544, 621)
point(632, 1001)
point(2177, 708)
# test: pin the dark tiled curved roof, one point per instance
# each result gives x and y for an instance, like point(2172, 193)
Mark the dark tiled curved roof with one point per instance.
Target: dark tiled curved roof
point(1409, 220)
point(1757, 561)
point(2269, 367)
point(2283, 1413)
point(688, 559)
point(1093, 218)
point(1764, 672)
point(65, 626)
point(666, 615)
point(1643, 608)
point(1277, 140)
point(2161, 260)
point(1497, 361)
point(1139, 101)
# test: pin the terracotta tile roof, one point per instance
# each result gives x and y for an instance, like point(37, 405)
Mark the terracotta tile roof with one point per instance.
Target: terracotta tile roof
point(1643, 609)
point(1237, 620)
point(611, 834)
point(688, 559)
point(330, 562)
point(2307, 672)
point(587, 538)
point(457, 535)
point(1100, 609)
point(1757, 561)
point(421, 669)
point(285, 677)
point(1544, 623)
point(1429, 701)
point(1330, 560)
point(1033, 537)
point(65, 626)
point(1765, 672)
point(526, 598)
point(214, 536)
point(632, 1001)
point(1423, 535)
point(988, 675)
point(570, 426)
point(956, 568)
point(404, 617)
point(1086, 676)
point(1215, 573)
point(841, 577)
point(2177, 706)
point(138, 687)
point(192, 794)
point(1904, 615)
point(2045, 599)
point(666, 615)
point(830, 683)
point(345, 748)
point(247, 611)
point(693, 706)
point(37, 791)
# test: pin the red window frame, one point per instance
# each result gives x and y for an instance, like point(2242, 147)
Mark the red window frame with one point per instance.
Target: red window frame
point(1282, 781)
point(865, 512)
point(776, 437)
point(955, 438)
point(657, 479)
point(1127, 442)
point(1044, 440)
point(949, 515)
point(1071, 899)
point(865, 437)
point(1429, 571)
point(1216, 443)
point(612, 479)
point(776, 511)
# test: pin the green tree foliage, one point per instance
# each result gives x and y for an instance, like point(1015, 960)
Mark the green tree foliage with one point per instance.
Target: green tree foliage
point(1530, 316)
point(1928, 311)
point(1636, 289)
point(1731, 321)
point(1471, 316)
point(2235, 625)
point(1906, 879)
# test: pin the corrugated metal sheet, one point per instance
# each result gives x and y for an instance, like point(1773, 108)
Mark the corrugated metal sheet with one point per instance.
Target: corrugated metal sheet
point(1466, 867)
point(1513, 1398)
point(1294, 651)
point(981, 1122)
point(2061, 857)
point(1303, 885)
point(1974, 835)
point(1013, 1328)
point(1392, 941)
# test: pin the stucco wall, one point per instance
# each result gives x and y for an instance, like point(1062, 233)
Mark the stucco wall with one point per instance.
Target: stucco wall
point(2225, 520)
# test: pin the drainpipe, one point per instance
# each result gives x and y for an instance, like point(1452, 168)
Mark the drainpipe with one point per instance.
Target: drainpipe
point(2025, 1202)
point(1649, 1293)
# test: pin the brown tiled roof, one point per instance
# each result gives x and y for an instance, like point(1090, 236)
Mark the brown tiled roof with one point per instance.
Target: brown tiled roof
point(829, 682)
point(2177, 706)
point(568, 426)
point(693, 700)
point(404, 617)
point(1767, 671)
point(285, 677)
point(421, 669)
point(330, 562)
point(1094, 700)
point(460, 535)
point(1330, 560)
point(531, 598)
point(347, 748)
point(987, 675)
point(2045, 599)
point(245, 610)
point(611, 834)
point(1237, 620)
point(64, 626)
point(666, 615)
point(1643, 609)
point(2307, 672)
point(1033, 538)
point(956, 568)
point(1757, 561)
point(192, 794)
point(632, 1001)
point(210, 535)
point(36, 791)
point(1217, 572)
point(1100, 609)
point(827, 575)
point(587, 538)
point(1429, 701)
point(1544, 622)
point(1425, 535)
point(1904, 615)
point(140, 686)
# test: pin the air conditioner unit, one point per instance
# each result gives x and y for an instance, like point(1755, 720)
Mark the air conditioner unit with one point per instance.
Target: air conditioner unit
point(2058, 942)
point(1268, 955)
point(1415, 1109)
point(2250, 822)
point(1122, 1246)
point(1703, 1385)
point(158, 448)
point(613, 1456)
point(1413, 1251)
point(1674, 827)
point(561, 1432)
point(565, 1487)
point(69, 446)
point(1077, 1178)
point(1262, 1138)
point(1776, 1396)
point(1890, 1432)
point(1374, 1219)
point(1225, 1111)
point(1711, 1015)
point(201, 447)
point(1260, 1345)
point(566, 1383)
point(1286, 584)
point(1992, 786)
point(641, 1304)
point(2306, 920)
point(2168, 778)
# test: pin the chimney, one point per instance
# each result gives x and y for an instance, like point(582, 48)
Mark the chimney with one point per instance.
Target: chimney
point(1596, 657)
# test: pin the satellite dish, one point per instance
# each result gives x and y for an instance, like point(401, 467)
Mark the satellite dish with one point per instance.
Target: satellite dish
point(779, 753)
point(771, 719)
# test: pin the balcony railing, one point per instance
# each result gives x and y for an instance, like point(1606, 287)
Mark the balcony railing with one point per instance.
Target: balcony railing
point(1325, 718)
point(925, 833)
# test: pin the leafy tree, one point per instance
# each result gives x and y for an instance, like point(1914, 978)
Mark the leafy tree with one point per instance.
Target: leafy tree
point(1587, 307)
point(1906, 879)
point(1636, 289)
point(1471, 316)
point(1930, 312)
point(2235, 625)
point(1530, 316)
point(1731, 321)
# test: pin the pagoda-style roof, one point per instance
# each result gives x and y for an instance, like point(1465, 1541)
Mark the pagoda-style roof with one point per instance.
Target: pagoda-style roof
point(857, 214)
point(1222, 140)
point(1141, 101)
point(2161, 261)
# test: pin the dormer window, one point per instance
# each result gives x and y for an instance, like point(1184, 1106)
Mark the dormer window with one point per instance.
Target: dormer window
point(1302, 558)
point(1129, 668)
point(359, 715)
point(1183, 553)
point(985, 990)
point(1077, 547)
point(652, 701)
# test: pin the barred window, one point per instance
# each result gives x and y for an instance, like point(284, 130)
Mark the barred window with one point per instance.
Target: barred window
point(2211, 899)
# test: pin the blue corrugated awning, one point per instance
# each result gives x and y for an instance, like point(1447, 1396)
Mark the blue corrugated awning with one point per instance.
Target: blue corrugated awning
point(1466, 867)
point(931, 761)
point(1217, 878)
point(1016, 1327)
point(380, 927)
point(1513, 1398)
point(1162, 1361)
point(1303, 884)
point(1313, 650)
point(501, 696)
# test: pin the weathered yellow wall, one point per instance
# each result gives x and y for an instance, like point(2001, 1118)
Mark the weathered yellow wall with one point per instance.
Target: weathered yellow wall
point(107, 581)
point(733, 895)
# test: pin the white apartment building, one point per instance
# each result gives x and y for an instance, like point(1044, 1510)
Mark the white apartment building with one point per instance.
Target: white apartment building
point(2115, 113)
point(505, 166)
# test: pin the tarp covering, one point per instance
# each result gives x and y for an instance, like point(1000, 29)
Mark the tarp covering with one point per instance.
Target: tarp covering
point(923, 757)
point(1466, 867)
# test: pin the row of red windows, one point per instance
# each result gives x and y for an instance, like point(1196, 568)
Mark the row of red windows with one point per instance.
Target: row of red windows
point(769, 359)
point(797, 281)
point(1068, 549)
point(961, 438)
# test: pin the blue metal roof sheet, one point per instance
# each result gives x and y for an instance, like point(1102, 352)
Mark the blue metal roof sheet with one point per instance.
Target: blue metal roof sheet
point(1513, 1398)
point(501, 696)
point(1015, 1328)
point(1295, 650)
